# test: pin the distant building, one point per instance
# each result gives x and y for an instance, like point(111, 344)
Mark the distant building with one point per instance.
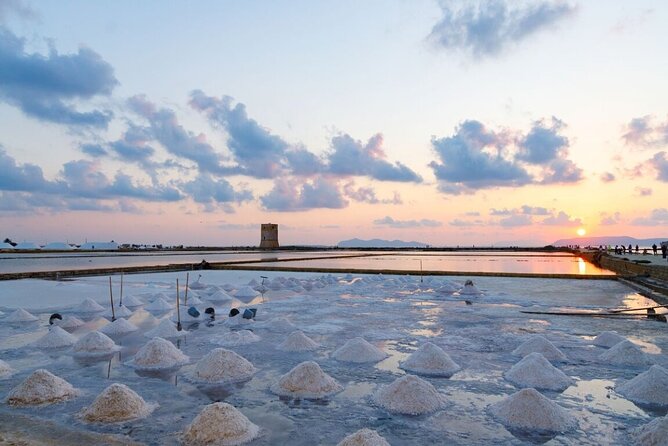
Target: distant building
point(268, 236)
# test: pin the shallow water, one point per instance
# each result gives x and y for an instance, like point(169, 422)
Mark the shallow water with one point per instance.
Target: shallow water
point(386, 311)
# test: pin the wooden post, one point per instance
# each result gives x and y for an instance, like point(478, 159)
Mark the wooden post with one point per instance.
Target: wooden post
point(111, 298)
point(178, 308)
point(185, 300)
point(120, 304)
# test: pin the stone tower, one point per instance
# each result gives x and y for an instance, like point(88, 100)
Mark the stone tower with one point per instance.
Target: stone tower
point(268, 236)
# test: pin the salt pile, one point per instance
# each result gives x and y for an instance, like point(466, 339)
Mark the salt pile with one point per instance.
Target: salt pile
point(306, 380)
point(358, 350)
point(297, 341)
point(41, 387)
point(55, 338)
point(537, 372)
point(89, 306)
point(159, 305)
point(219, 424)
point(538, 344)
point(528, 409)
point(219, 297)
point(228, 287)
point(608, 339)
point(193, 300)
point(650, 387)
point(430, 360)
point(246, 292)
point(119, 311)
point(117, 403)
point(94, 344)
point(132, 301)
point(278, 324)
point(157, 354)
point(70, 322)
point(446, 288)
point(625, 353)
point(5, 370)
point(364, 437)
point(470, 289)
point(165, 329)
point(197, 285)
point(118, 327)
point(653, 433)
point(235, 338)
point(20, 315)
point(223, 366)
point(409, 395)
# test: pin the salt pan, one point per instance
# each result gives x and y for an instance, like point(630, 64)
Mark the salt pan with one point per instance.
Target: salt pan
point(538, 344)
point(94, 344)
point(358, 350)
point(608, 339)
point(165, 329)
point(430, 360)
point(157, 354)
point(118, 327)
point(235, 338)
point(625, 353)
point(159, 305)
point(364, 437)
point(306, 380)
point(537, 372)
point(20, 315)
point(409, 395)
point(5, 370)
point(297, 341)
point(653, 433)
point(55, 338)
point(219, 424)
point(89, 306)
point(223, 366)
point(650, 387)
point(117, 403)
point(41, 387)
point(528, 409)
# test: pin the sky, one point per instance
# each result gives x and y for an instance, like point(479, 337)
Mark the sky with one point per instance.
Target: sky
point(452, 123)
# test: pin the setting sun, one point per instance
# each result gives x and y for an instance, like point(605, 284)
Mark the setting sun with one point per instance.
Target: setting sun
point(581, 231)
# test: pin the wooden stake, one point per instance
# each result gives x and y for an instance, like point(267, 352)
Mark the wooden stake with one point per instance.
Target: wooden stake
point(121, 301)
point(178, 308)
point(185, 300)
point(111, 298)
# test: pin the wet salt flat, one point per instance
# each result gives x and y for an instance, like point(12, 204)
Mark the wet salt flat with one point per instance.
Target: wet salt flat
point(397, 314)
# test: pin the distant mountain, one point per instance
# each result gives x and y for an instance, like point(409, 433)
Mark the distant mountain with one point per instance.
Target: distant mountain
point(610, 240)
point(378, 243)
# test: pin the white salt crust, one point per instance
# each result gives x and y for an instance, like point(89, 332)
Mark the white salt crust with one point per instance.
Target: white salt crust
point(41, 387)
point(5, 370)
point(409, 395)
point(430, 360)
point(165, 329)
point(306, 380)
point(89, 306)
point(538, 344)
point(158, 305)
point(625, 353)
point(534, 370)
point(20, 315)
point(529, 410)
point(235, 338)
point(55, 338)
point(223, 366)
point(132, 301)
point(94, 344)
point(219, 424)
point(157, 354)
point(364, 437)
point(297, 341)
point(359, 350)
point(118, 327)
point(650, 387)
point(608, 339)
point(117, 403)
point(654, 433)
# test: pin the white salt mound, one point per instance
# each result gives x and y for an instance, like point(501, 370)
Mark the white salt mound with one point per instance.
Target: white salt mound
point(246, 292)
point(165, 329)
point(118, 327)
point(228, 287)
point(654, 433)
point(193, 300)
point(528, 409)
point(650, 387)
point(20, 315)
point(219, 297)
point(69, 322)
point(219, 424)
point(41, 387)
point(132, 301)
point(235, 338)
point(446, 288)
point(278, 324)
point(5, 370)
point(625, 353)
point(358, 350)
point(89, 306)
point(364, 437)
point(608, 339)
point(223, 366)
point(538, 344)
point(117, 403)
point(537, 372)
point(55, 338)
point(197, 285)
point(470, 289)
point(159, 304)
point(159, 353)
point(409, 395)
point(119, 311)
point(297, 341)
point(430, 360)
point(306, 380)
point(94, 344)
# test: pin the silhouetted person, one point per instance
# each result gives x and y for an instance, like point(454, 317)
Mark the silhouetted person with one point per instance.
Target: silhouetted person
point(654, 247)
point(637, 249)
point(630, 249)
point(664, 248)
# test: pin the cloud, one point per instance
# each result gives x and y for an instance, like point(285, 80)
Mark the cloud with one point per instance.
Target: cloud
point(659, 162)
point(487, 28)
point(368, 195)
point(17, 8)
point(94, 150)
point(561, 171)
point(402, 224)
point(562, 219)
point(516, 220)
point(610, 220)
point(304, 163)
point(207, 190)
point(607, 177)
point(658, 217)
point(643, 133)
point(459, 223)
point(21, 177)
point(48, 87)
point(643, 191)
point(291, 195)
point(542, 144)
point(133, 145)
point(534, 210)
